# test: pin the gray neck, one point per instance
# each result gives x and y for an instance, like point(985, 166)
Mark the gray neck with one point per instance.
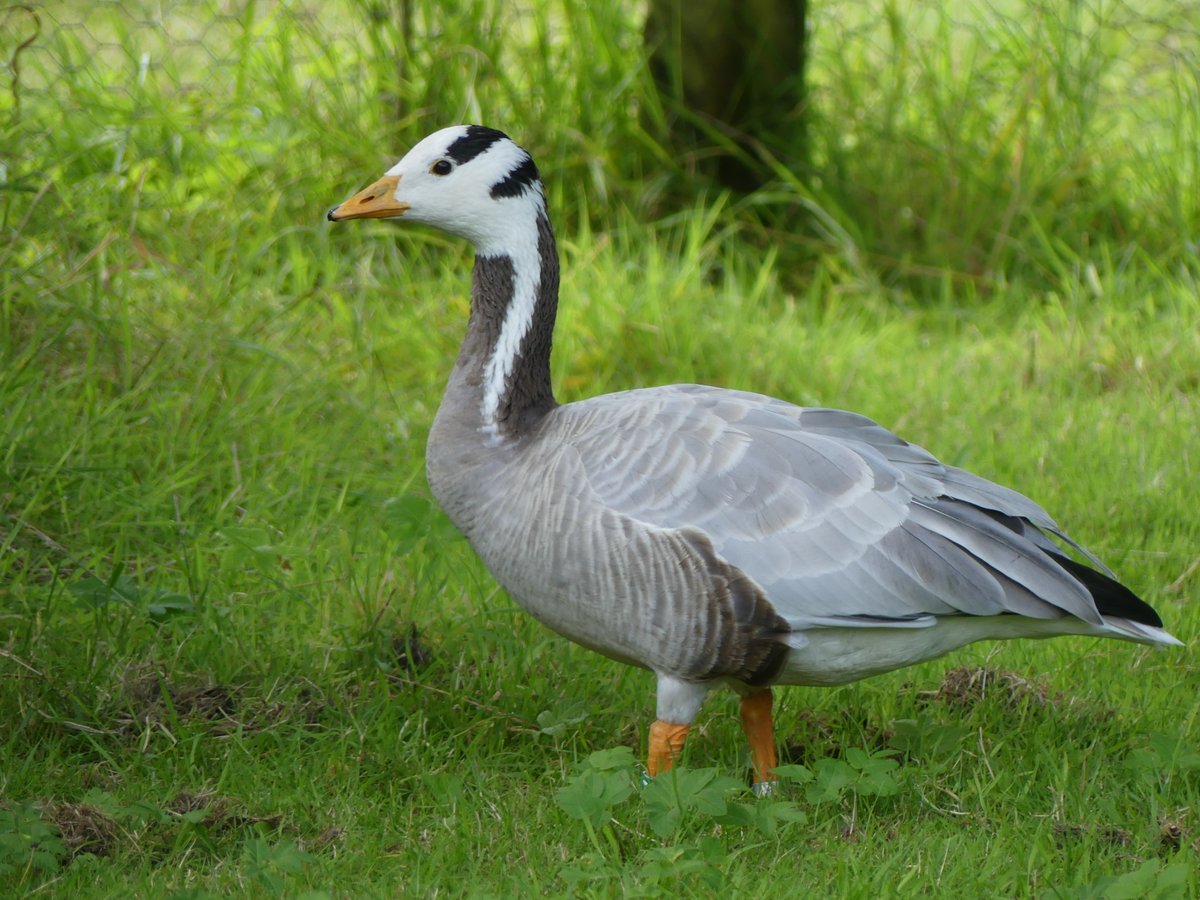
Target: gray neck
point(503, 368)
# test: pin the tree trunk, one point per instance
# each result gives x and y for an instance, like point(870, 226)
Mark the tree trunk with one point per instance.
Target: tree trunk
point(733, 71)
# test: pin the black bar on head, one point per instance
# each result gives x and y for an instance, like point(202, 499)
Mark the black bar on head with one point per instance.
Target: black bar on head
point(517, 181)
point(477, 139)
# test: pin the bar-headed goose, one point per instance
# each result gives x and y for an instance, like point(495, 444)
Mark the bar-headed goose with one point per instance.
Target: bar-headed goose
point(712, 536)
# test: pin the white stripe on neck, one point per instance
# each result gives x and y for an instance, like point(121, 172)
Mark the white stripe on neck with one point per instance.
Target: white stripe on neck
point(522, 249)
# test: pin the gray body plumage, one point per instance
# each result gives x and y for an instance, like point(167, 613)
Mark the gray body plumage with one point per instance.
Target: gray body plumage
point(662, 527)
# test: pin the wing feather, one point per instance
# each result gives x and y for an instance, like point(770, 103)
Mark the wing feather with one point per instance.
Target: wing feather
point(836, 518)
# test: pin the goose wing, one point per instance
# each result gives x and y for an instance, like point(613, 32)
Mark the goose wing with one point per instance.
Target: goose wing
point(839, 521)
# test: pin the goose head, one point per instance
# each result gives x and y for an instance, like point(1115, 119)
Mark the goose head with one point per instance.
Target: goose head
point(468, 180)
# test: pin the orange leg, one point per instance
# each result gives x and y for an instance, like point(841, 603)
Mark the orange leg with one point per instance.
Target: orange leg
point(760, 732)
point(666, 743)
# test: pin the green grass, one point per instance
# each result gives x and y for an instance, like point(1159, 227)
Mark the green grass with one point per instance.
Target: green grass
point(215, 535)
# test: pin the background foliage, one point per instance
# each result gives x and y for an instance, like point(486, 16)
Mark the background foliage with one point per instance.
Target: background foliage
point(241, 650)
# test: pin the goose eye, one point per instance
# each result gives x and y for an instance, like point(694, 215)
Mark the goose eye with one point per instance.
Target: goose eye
point(441, 167)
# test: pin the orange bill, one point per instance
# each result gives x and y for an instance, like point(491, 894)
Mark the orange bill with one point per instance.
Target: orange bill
point(375, 202)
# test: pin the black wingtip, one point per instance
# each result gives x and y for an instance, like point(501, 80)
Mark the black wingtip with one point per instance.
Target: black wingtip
point(1112, 598)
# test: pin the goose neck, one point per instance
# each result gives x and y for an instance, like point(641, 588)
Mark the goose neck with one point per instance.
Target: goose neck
point(514, 300)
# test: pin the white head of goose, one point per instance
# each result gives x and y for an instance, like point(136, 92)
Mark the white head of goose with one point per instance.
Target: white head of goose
point(709, 535)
